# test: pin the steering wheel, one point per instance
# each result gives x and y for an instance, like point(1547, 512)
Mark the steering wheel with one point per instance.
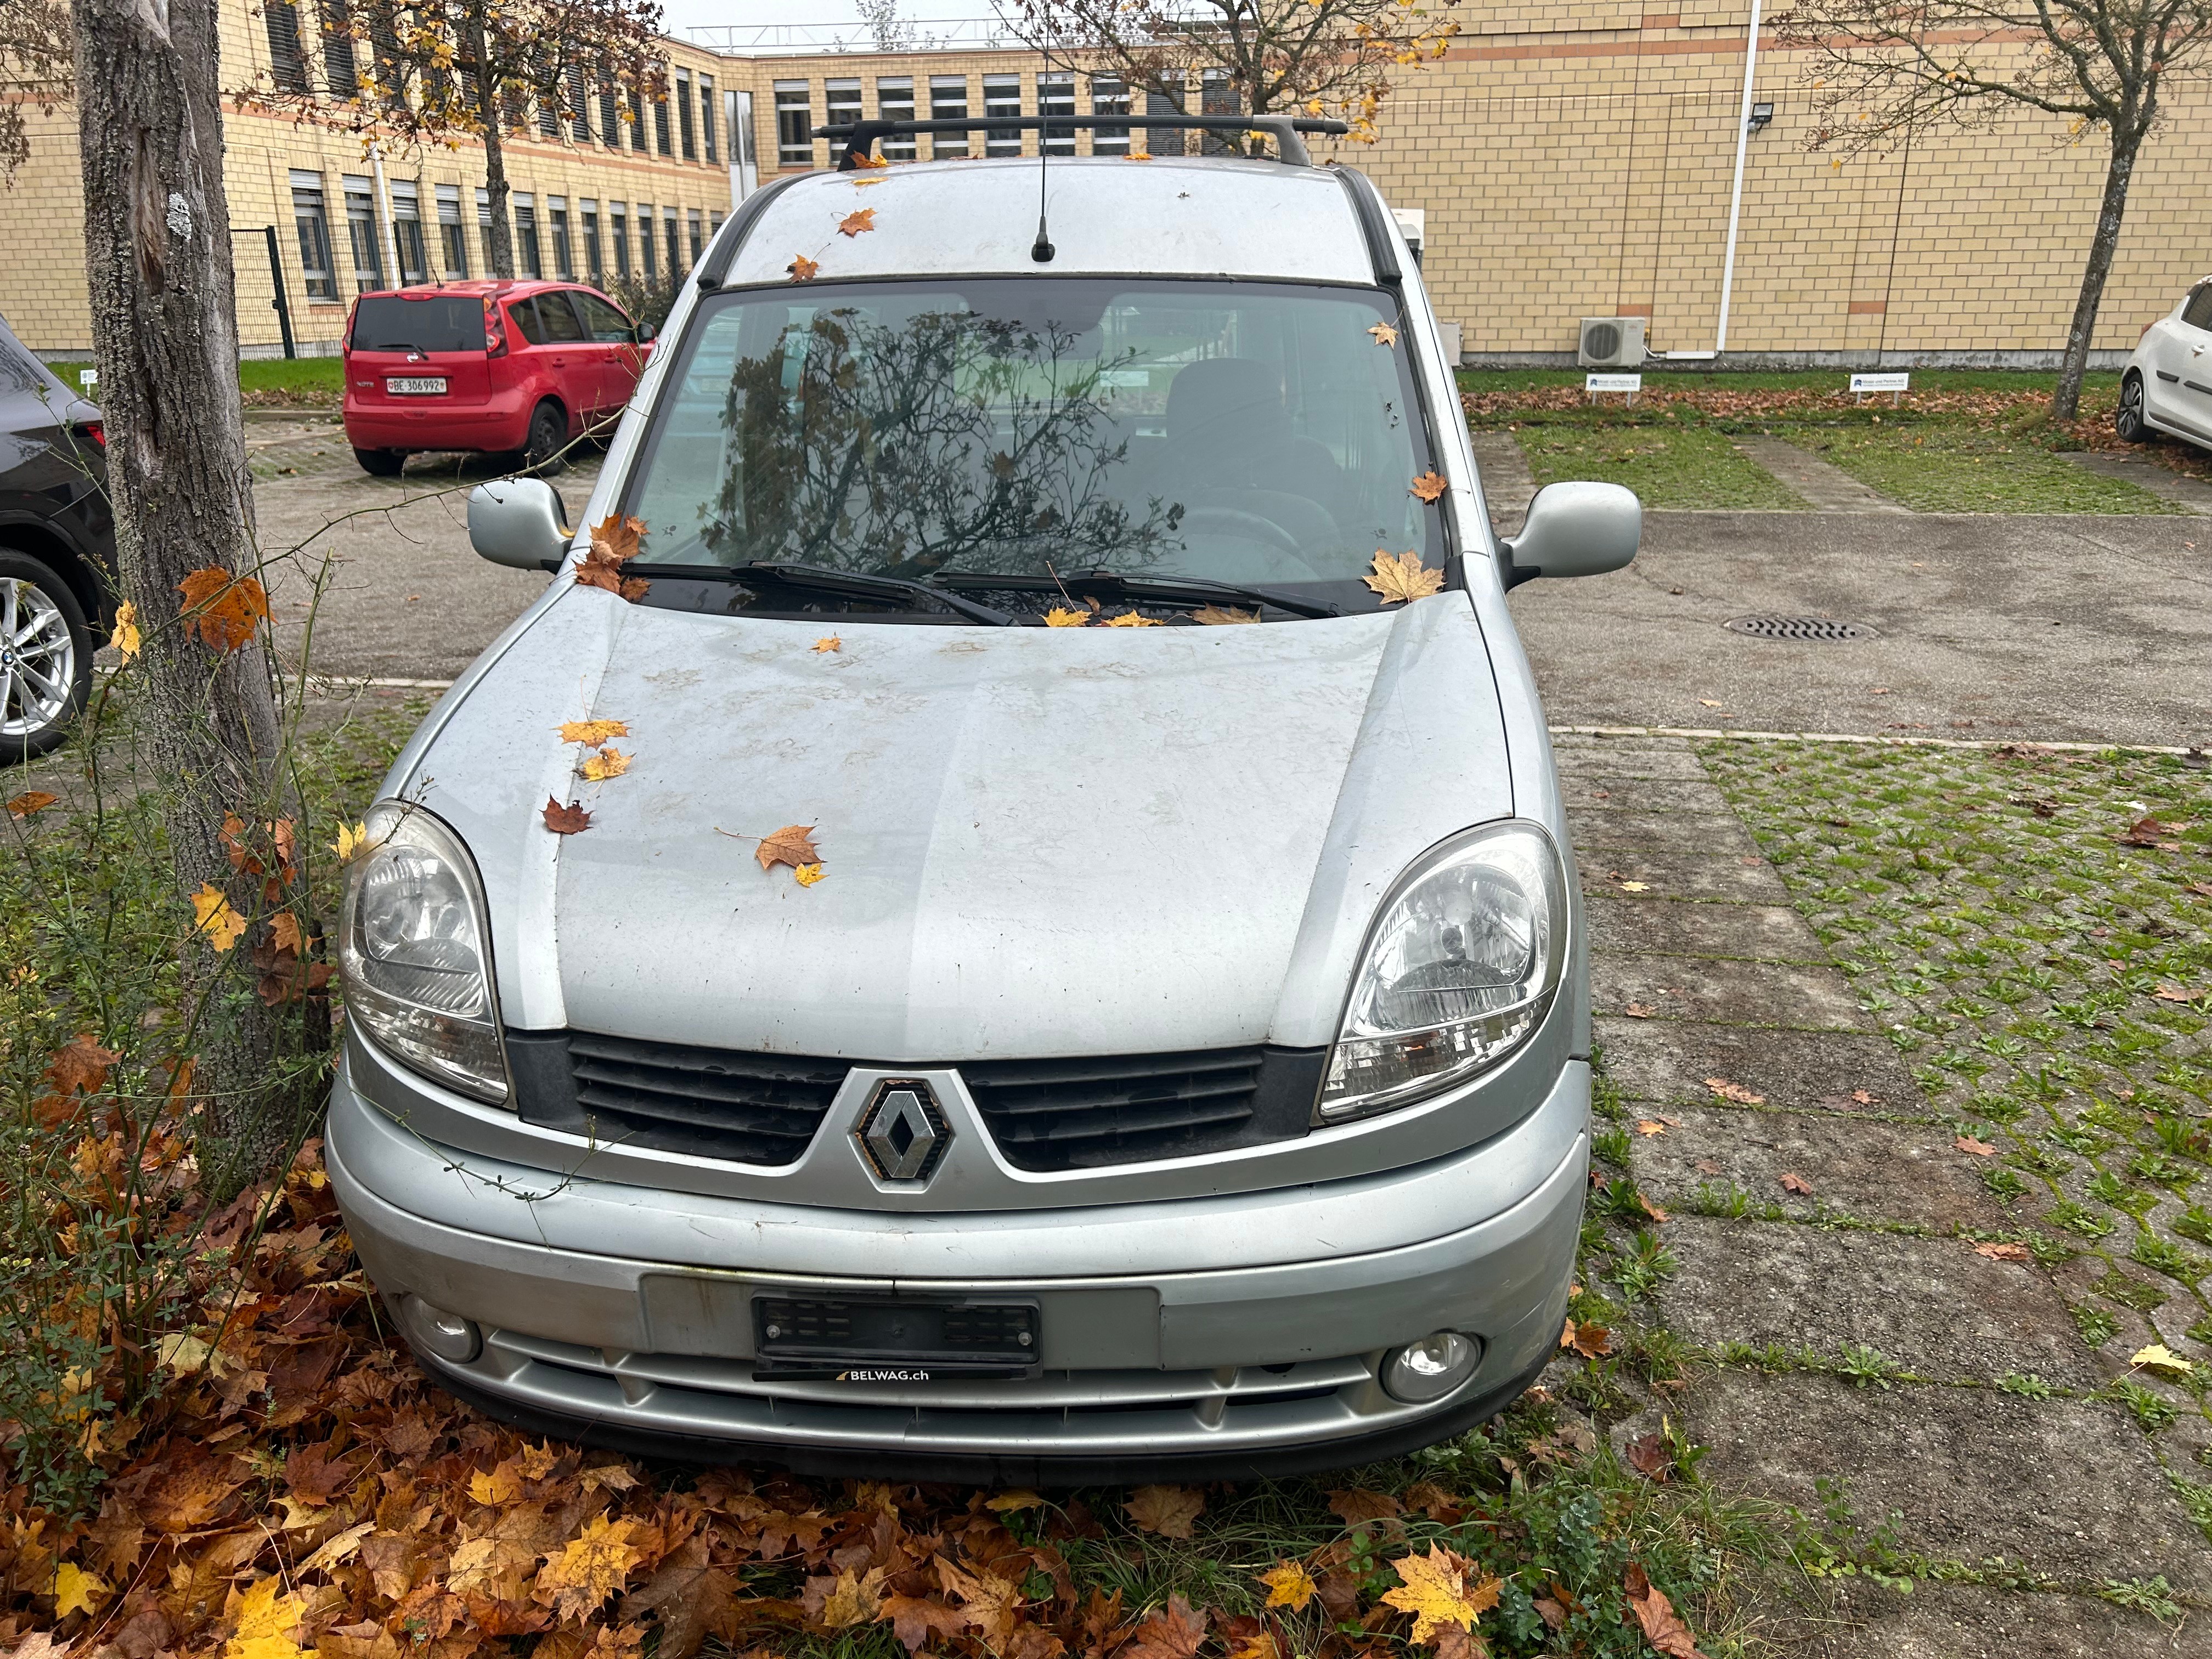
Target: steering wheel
point(1251, 526)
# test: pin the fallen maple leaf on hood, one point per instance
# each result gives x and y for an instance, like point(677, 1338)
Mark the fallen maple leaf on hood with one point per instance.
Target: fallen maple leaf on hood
point(569, 820)
point(1403, 578)
point(614, 543)
point(592, 733)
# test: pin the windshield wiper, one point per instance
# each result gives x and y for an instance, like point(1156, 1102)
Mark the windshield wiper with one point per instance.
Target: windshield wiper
point(853, 582)
point(1111, 584)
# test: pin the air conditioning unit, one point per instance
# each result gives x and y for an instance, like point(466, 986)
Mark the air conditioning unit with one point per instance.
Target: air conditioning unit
point(1611, 342)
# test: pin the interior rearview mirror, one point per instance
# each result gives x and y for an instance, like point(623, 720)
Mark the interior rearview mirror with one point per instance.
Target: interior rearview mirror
point(1576, 530)
point(518, 522)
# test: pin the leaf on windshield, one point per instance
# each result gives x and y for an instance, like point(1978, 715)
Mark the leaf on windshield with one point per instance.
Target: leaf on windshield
point(1403, 578)
point(1384, 334)
point(1215, 616)
point(1430, 485)
point(1133, 619)
point(854, 223)
point(1061, 616)
point(614, 543)
point(802, 269)
point(569, 820)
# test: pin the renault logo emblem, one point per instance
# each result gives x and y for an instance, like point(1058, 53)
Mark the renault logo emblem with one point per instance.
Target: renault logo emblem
point(901, 1134)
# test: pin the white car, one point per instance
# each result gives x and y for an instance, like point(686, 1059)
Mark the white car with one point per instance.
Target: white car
point(1173, 1054)
point(2167, 387)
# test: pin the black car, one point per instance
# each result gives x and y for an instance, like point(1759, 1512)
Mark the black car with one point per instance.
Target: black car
point(56, 552)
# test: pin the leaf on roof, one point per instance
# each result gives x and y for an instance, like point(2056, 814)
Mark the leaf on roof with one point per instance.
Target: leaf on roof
point(854, 223)
point(802, 269)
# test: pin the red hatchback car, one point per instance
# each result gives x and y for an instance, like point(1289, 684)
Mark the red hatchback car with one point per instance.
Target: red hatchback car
point(518, 370)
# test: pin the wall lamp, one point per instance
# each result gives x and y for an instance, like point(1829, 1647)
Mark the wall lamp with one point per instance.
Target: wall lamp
point(1761, 115)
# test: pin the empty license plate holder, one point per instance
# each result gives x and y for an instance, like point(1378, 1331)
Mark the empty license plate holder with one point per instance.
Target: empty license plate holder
point(893, 1339)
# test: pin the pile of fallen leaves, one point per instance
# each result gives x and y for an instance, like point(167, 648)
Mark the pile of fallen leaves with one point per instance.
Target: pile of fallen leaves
point(296, 1485)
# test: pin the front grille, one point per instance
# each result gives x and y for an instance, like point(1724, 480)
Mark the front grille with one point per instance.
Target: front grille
point(670, 1098)
point(1045, 1114)
point(1091, 1112)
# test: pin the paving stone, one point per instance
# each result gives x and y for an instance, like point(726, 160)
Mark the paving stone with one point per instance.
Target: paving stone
point(1688, 874)
point(1870, 1169)
point(1971, 1621)
point(1670, 1060)
point(1930, 1304)
point(1716, 834)
point(2191, 493)
point(1606, 757)
point(1720, 989)
point(2064, 1487)
point(1769, 933)
point(1606, 792)
point(1823, 483)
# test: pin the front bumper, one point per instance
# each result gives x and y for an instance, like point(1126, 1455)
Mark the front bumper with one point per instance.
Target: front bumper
point(1234, 1342)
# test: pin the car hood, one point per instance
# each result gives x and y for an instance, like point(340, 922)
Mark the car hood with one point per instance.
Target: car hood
point(1034, 841)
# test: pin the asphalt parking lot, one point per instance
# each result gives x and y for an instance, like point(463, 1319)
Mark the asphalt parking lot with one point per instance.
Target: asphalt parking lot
point(2026, 627)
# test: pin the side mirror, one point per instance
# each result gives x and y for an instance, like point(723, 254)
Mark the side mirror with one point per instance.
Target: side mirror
point(646, 333)
point(1576, 530)
point(518, 522)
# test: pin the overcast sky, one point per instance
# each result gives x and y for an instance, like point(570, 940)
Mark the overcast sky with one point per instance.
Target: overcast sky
point(684, 15)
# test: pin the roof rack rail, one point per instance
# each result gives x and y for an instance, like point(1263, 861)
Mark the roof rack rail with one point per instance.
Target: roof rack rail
point(860, 137)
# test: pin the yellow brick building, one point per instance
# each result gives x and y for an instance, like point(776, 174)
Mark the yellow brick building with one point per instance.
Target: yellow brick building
point(1571, 161)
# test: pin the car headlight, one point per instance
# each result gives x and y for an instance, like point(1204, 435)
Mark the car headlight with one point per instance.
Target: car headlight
point(1461, 967)
point(414, 953)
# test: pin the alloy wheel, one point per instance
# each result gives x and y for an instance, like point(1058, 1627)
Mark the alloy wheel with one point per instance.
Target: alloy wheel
point(38, 659)
point(2128, 421)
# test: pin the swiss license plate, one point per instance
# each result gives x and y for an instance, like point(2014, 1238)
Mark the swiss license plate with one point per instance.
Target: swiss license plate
point(892, 1338)
point(400, 385)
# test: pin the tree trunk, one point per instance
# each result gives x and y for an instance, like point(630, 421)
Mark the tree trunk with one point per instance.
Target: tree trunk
point(501, 250)
point(165, 333)
point(2127, 141)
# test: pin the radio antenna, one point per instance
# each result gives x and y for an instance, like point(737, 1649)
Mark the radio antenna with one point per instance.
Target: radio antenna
point(1041, 250)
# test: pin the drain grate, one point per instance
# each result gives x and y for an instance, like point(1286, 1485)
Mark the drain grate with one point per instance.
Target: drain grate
point(1799, 628)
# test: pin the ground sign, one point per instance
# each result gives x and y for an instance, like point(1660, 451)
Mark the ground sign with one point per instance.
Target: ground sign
point(1893, 384)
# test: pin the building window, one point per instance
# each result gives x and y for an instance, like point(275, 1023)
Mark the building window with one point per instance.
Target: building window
point(1002, 96)
point(895, 102)
point(1056, 96)
point(483, 230)
point(841, 103)
point(618, 228)
point(610, 121)
point(580, 104)
point(645, 251)
point(948, 102)
point(407, 230)
point(684, 127)
point(675, 247)
point(794, 125)
point(549, 96)
point(697, 225)
point(641, 134)
point(1218, 95)
point(452, 239)
point(661, 141)
point(339, 79)
point(706, 116)
point(361, 232)
point(588, 217)
point(314, 227)
point(1109, 96)
point(564, 258)
point(528, 260)
point(288, 63)
point(1169, 143)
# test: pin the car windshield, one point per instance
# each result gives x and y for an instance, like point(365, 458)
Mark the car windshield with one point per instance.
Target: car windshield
point(436, 322)
point(1229, 432)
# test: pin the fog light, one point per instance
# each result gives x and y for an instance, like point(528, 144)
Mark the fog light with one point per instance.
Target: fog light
point(440, 1334)
point(1431, 1368)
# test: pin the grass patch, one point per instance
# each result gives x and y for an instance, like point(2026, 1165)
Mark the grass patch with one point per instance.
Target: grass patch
point(266, 382)
point(1672, 466)
point(1991, 913)
point(1946, 466)
point(1819, 382)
